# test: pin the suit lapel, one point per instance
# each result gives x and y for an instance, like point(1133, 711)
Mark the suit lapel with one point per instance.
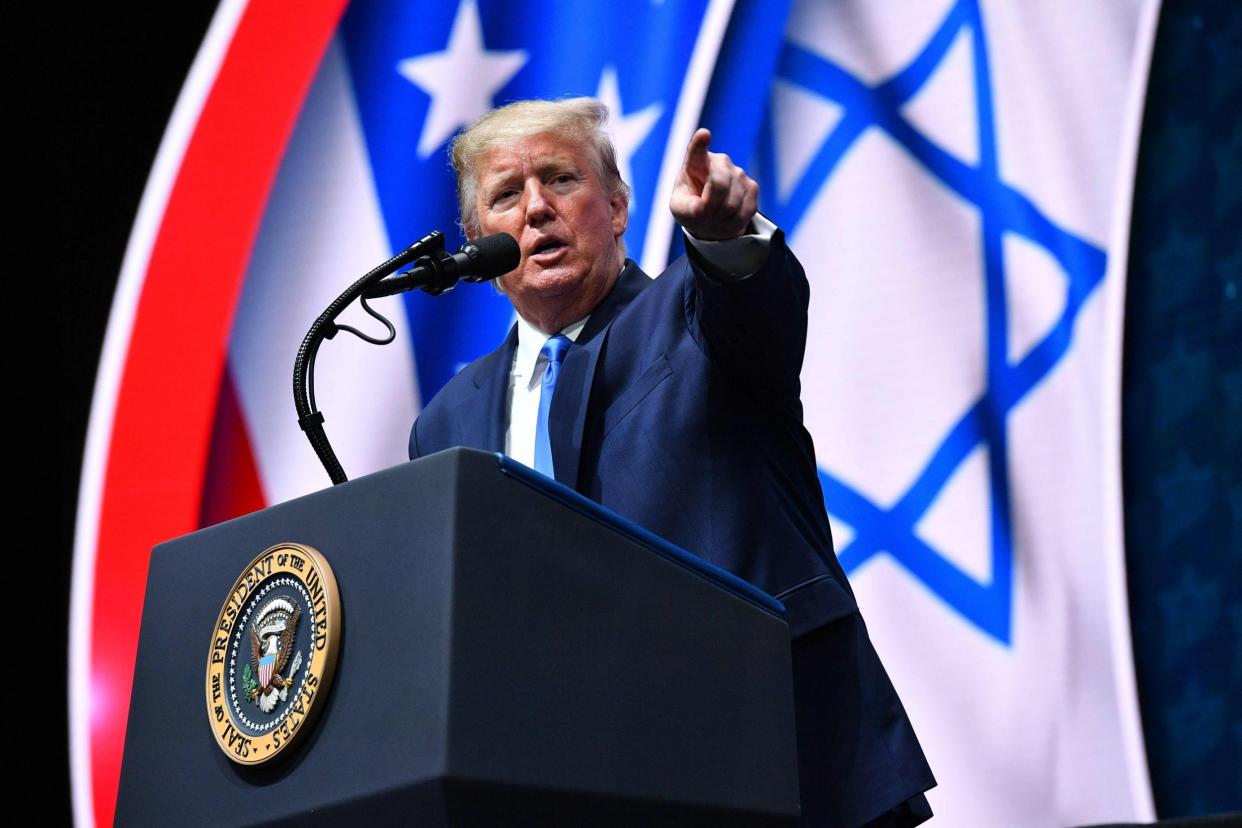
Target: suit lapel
point(483, 416)
point(572, 397)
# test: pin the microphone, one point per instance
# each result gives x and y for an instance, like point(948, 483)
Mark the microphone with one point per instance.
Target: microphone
point(476, 261)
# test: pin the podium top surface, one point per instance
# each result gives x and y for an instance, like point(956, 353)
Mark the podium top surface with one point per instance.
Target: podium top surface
point(627, 528)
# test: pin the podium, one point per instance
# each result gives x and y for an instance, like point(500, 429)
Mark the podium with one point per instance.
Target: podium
point(510, 654)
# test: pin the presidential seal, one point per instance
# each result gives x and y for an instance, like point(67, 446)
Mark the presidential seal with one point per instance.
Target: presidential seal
point(273, 653)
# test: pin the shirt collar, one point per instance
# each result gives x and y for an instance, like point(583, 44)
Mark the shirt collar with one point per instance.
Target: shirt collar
point(530, 343)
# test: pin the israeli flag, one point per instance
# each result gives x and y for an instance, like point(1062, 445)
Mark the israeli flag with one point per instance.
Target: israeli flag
point(956, 176)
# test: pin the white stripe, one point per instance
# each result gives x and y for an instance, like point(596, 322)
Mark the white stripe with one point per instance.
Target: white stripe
point(685, 122)
point(164, 172)
point(1126, 688)
point(323, 228)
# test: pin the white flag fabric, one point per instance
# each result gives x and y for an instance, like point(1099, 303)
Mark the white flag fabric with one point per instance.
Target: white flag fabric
point(956, 178)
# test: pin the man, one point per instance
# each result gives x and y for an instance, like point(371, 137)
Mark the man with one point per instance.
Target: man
point(676, 404)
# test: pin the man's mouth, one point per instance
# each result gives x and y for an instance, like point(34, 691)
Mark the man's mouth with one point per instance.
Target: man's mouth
point(547, 250)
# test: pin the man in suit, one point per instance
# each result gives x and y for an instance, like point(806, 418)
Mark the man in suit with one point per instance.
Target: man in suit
point(676, 403)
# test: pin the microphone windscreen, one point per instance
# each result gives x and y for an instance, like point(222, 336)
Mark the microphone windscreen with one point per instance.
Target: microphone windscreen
point(492, 256)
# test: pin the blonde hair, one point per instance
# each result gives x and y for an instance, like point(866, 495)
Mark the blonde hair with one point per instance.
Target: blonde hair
point(577, 119)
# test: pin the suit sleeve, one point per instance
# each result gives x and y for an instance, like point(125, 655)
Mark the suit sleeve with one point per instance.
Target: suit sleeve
point(415, 452)
point(753, 330)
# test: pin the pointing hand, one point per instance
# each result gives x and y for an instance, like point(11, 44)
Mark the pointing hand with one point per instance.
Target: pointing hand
point(713, 198)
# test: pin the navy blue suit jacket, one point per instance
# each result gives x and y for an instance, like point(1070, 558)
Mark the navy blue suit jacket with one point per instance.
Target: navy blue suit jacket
point(679, 407)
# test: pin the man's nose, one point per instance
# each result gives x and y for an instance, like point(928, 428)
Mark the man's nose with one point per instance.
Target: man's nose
point(538, 207)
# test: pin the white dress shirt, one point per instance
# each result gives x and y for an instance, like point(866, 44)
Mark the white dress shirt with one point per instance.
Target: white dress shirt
point(730, 261)
point(526, 387)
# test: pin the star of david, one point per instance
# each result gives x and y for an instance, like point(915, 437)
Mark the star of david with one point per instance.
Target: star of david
point(890, 529)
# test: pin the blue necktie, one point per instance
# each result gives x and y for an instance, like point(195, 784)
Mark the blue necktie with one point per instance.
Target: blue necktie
point(554, 349)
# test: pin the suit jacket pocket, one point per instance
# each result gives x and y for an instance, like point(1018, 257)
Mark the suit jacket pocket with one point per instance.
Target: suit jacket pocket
point(636, 392)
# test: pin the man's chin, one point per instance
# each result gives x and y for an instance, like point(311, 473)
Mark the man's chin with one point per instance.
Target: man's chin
point(552, 282)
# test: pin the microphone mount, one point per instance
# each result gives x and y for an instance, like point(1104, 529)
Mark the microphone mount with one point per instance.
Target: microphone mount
point(428, 249)
point(437, 270)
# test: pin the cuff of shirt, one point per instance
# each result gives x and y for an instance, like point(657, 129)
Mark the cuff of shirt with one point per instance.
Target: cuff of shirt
point(735, 259)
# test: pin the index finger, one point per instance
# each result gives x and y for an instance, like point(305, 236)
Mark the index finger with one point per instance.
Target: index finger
point(696, 151)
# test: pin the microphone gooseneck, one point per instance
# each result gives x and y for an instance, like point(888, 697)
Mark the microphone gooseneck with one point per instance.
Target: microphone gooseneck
point(434, 271)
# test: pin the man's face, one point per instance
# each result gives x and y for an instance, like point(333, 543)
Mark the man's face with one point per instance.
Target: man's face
point(544, 192)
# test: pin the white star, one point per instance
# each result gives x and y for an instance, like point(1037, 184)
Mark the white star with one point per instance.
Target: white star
point(627, 131)
point(461, 80)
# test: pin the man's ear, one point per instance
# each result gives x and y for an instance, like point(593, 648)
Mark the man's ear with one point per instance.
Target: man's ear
point(620, 214)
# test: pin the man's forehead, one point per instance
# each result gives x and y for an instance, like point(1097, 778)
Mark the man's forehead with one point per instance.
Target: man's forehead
point(535, 152)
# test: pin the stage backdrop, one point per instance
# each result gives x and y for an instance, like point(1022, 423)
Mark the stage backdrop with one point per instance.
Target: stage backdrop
point(955, 176)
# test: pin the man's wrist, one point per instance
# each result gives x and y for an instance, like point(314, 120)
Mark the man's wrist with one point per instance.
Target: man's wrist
point(732, 260)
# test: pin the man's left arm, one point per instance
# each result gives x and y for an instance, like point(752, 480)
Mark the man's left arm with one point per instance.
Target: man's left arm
point(750, 295)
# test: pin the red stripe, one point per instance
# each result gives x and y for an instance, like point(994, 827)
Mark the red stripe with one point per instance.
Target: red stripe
point(231, 486)
point(167, 395)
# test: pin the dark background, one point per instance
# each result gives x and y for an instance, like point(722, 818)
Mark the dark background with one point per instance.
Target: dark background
point(99, 86)
point(1182, 411)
